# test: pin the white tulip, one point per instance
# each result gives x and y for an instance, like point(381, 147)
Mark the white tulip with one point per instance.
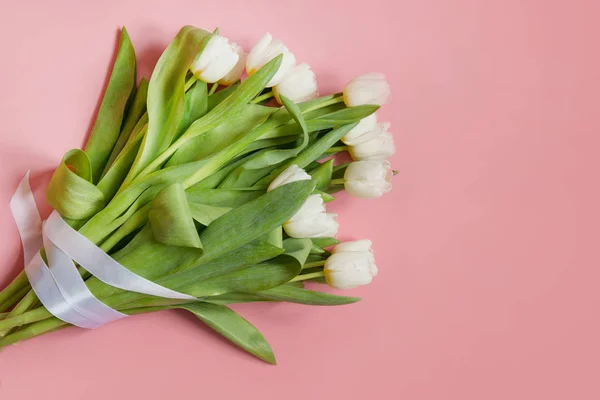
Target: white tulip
point(352, 264)
point(291, 174)
point(311, 220)
point(367, 89)
point(236, 72)
point(299, 84)
point(313, 205)
point(264, 51)
point(361, 132)
point(312, 226)
point(368, 178)
point(216, 60)
point(377, 144)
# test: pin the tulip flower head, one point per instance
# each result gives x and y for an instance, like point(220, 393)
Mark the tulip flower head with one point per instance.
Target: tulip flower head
point(311, 221)
point(291, 174)
point(351, 264)
point(216, 60)
point(377, 144)
point(362, 131)
point(264, 51)
point(236, 72)
point(367, 89)
point(299, 84)
point(368, 178)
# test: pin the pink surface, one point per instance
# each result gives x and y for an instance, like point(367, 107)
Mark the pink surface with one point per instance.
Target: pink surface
point(487, 246)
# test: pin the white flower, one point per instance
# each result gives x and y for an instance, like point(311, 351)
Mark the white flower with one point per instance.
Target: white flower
point(299, 84)
point(264, 51)
point(291, 174)
point(216, 60)
point(377, 144)
point(360, 132)
point(312, 221)
point(368, 178)
point(352, 264)
point(236, 72)
point(367, 89)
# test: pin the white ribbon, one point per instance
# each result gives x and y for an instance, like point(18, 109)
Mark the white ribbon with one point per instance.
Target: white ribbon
point(59, 285)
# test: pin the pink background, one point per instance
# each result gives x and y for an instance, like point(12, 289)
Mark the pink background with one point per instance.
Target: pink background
point(487, 246)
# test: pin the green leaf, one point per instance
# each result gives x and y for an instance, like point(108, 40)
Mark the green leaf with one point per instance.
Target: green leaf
point(134, 114)
point(303, 296)
point(70, 191)
point(107, 127)
point(255, 218)
point(322, 175)
point(196, 106)
point(325, 242)
point(166, 93)
point(232, 298)
point(311, 153)
point(233, 327)
point(205, 214)
point(257, 165)
point(171, 218)
point(215, 99)
point(326, 196)
point(215, 140)
point(259, 277)
point(222, 197)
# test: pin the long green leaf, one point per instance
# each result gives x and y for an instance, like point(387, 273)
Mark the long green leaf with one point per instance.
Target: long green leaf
point(107, 127)
point(215, 140)
point(166, 92)
point(302, 296)
point(70, 191)
point(196, 106)
point(171, 218)
point(255, 218)
point(135, 112)
point(233, 327)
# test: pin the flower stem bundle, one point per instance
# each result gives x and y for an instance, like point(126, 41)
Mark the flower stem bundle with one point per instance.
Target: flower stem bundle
point(211, 179)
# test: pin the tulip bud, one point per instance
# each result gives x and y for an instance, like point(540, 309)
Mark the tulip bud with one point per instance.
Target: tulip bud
point(377, 144)
point(311, 220)
point(264, 51)
point(368, 178)
point(314, 226)
point(291, 174)
point(299, 84)
point(215, 61)
point(367, 89)
point(362, 131)
point(236, 72)
point(352, 264)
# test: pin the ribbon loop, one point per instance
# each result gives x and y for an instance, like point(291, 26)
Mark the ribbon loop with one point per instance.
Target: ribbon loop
point(59, 286)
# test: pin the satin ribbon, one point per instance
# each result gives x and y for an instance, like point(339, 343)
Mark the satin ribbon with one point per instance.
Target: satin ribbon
point(58, 284)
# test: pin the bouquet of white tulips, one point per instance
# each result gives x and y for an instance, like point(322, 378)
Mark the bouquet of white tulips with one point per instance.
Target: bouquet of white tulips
point(203, 187)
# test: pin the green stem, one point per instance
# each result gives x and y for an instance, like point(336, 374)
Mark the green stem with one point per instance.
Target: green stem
point(38, 326)
point(337, 149)
point(213, 89)
point(190, 82)
point(339, 181)
point(25, 304)
point(15, 299)
point(340, 167)
point(263, 97)
point(29, 317)
point(14, 287)
point(314, 264)
point(308, 276)
point(335, 100)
